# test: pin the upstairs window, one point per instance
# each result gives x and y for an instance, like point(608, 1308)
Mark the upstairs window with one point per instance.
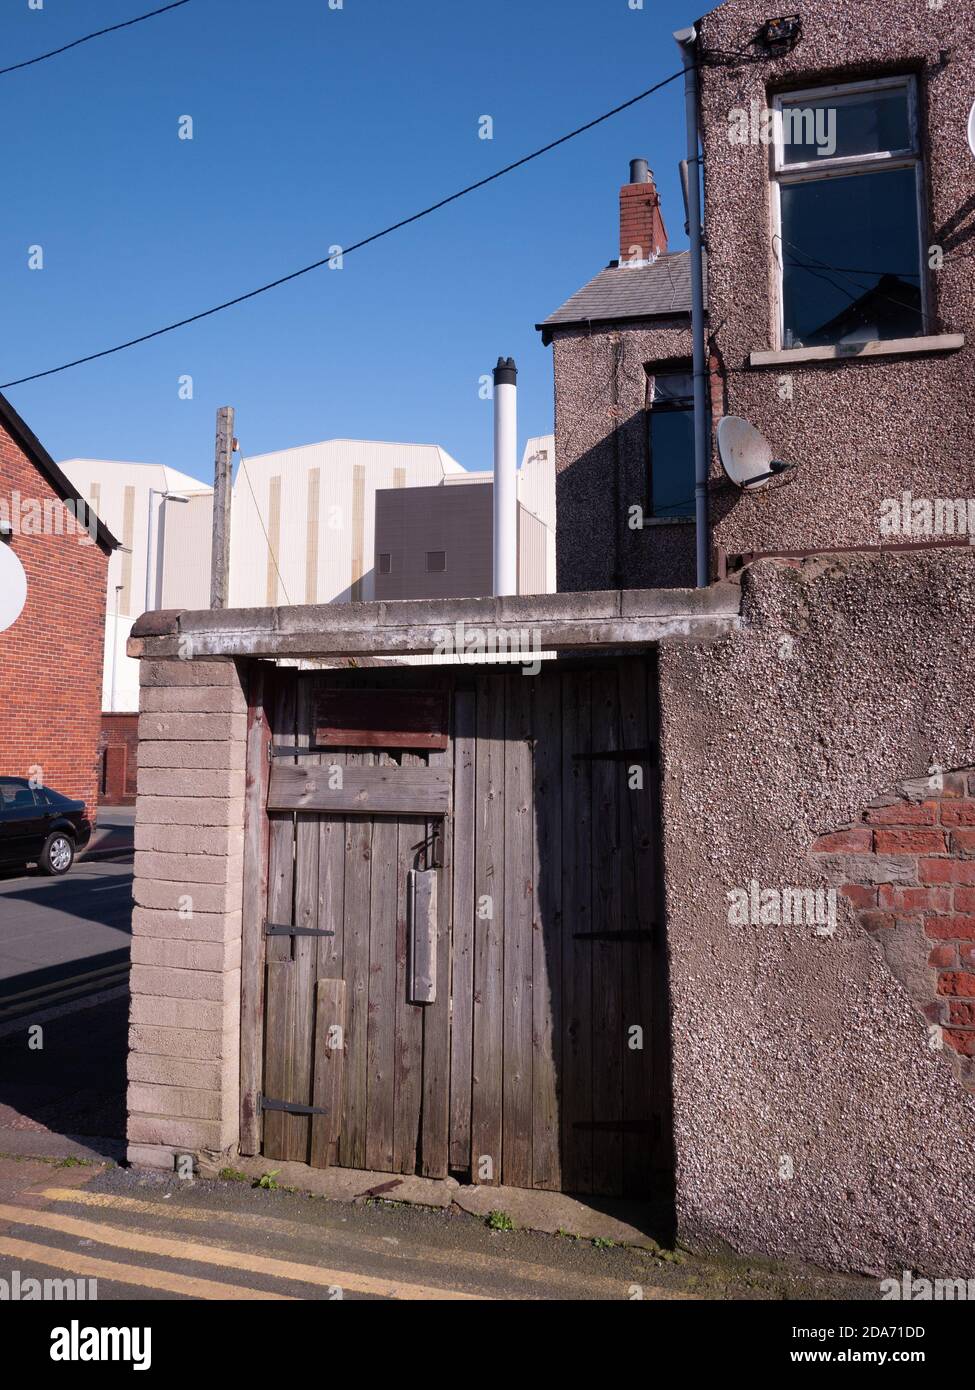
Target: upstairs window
point(436, 561)
point(848, 214)
point(672, 445)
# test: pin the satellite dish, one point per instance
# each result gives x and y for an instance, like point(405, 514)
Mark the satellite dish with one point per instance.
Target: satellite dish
point(13, 588)
point(971, 129)
point(746, 455)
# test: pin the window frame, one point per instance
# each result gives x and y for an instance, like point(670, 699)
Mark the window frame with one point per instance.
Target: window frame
point(679, 367)
point(842, 166)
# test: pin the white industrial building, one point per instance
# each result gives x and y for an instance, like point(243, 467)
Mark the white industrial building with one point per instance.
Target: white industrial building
point(302, 530)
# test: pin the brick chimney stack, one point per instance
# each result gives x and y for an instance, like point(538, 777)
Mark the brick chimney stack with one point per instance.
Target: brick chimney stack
point(642, 232)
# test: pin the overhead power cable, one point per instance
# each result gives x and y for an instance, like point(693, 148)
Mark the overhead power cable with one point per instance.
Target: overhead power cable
point(125, 24)
point(356, 246)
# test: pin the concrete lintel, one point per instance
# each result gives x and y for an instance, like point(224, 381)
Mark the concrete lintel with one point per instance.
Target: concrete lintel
point(562, 622)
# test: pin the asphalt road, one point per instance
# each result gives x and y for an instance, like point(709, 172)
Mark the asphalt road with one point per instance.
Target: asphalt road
point(144, 1236)
point(53, 929)
point(64, 960)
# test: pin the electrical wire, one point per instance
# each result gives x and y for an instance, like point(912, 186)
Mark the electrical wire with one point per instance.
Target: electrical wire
point(125, 24)
point(347, 250)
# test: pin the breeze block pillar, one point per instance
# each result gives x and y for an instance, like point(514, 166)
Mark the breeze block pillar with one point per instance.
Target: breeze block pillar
point(184, 1021)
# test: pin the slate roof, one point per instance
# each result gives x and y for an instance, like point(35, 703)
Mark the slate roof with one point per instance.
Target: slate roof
point(662, 288)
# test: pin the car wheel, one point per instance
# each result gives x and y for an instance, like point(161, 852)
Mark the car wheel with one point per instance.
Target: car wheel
point(57, 856)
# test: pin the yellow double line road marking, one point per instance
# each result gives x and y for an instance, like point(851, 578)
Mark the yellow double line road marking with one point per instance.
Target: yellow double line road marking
point(89, 1267)
point(73, 987)
point(476, 1263)
point(190, 1252)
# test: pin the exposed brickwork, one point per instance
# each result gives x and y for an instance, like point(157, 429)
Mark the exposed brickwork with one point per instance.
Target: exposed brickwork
point(184, 1035)
point(910, 874)
point(641, 224)
point(119, 745)
point(51, 658)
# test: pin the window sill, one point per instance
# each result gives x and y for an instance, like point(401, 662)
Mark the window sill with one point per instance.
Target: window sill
point(890, 347)
point(668, 521)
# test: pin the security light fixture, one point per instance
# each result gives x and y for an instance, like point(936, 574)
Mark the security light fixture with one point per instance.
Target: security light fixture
point(781, 34)
point(6, 531)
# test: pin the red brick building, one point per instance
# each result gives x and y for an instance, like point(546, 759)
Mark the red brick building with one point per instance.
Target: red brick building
point(51, 656)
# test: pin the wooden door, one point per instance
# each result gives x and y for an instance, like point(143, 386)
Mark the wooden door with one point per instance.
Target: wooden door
point(541, 1061)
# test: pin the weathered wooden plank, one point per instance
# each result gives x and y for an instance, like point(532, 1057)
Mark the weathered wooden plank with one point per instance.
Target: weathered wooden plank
point(380, 790)
point(576, 919)
point(638, 850)
point(358, 880)
point(435, 1122)
point(518, 915)
point(381, 1027)
point(408, 1089)
point(607, 1018)
point(304, 948)
point(385, 718)
point(277, 1066)
point(547, 933)
point(331, 914)
point(462, 931)
point(278, 1051)
point(329, 1066)
point(489, 868)
point(260, 695)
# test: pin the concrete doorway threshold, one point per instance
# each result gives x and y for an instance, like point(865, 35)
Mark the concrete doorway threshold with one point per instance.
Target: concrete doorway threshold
point(615, 1220)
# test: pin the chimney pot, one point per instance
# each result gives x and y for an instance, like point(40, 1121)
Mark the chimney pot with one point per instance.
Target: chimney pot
point(639, 171)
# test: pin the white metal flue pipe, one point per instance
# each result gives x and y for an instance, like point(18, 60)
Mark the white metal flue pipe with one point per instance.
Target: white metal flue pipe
point(505, 477)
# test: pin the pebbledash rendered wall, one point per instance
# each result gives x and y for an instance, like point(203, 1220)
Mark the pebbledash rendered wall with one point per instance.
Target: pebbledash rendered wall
point(602, 458)
point(824, 1087)
point(184, 1033)
point(859, 431)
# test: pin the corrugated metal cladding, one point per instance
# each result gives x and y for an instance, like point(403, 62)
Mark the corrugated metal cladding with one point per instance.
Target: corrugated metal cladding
point(532, 554)
point(335, 548)
point(123, 504)
point(188, 533)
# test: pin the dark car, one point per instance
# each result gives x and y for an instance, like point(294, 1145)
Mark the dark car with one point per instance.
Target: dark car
point(40, 826)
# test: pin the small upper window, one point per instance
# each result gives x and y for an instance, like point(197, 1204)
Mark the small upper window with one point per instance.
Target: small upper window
point(385, 562)
point(672, 445)
point(847, 207)
point(436, 561)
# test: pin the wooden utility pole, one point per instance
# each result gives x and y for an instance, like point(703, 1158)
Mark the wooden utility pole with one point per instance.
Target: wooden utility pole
point(222, 476)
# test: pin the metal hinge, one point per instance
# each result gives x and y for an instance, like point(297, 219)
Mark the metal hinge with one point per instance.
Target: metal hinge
point(289, 1107)
point(277, 929)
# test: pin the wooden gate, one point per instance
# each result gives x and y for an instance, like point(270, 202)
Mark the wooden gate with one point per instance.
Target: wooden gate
point(525, 807)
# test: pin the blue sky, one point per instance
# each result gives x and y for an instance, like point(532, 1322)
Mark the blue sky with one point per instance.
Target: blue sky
point(312, 127)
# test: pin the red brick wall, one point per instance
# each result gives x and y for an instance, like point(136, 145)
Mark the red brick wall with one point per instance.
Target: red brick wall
point(51, 658)
point(909, 870)
point(120, 734)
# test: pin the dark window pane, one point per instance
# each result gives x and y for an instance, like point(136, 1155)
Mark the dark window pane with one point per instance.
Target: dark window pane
point(851, 259)
point(672, 462)
point(436, 560)
point(673, 387)
point(835, 127)
point(384, 563)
